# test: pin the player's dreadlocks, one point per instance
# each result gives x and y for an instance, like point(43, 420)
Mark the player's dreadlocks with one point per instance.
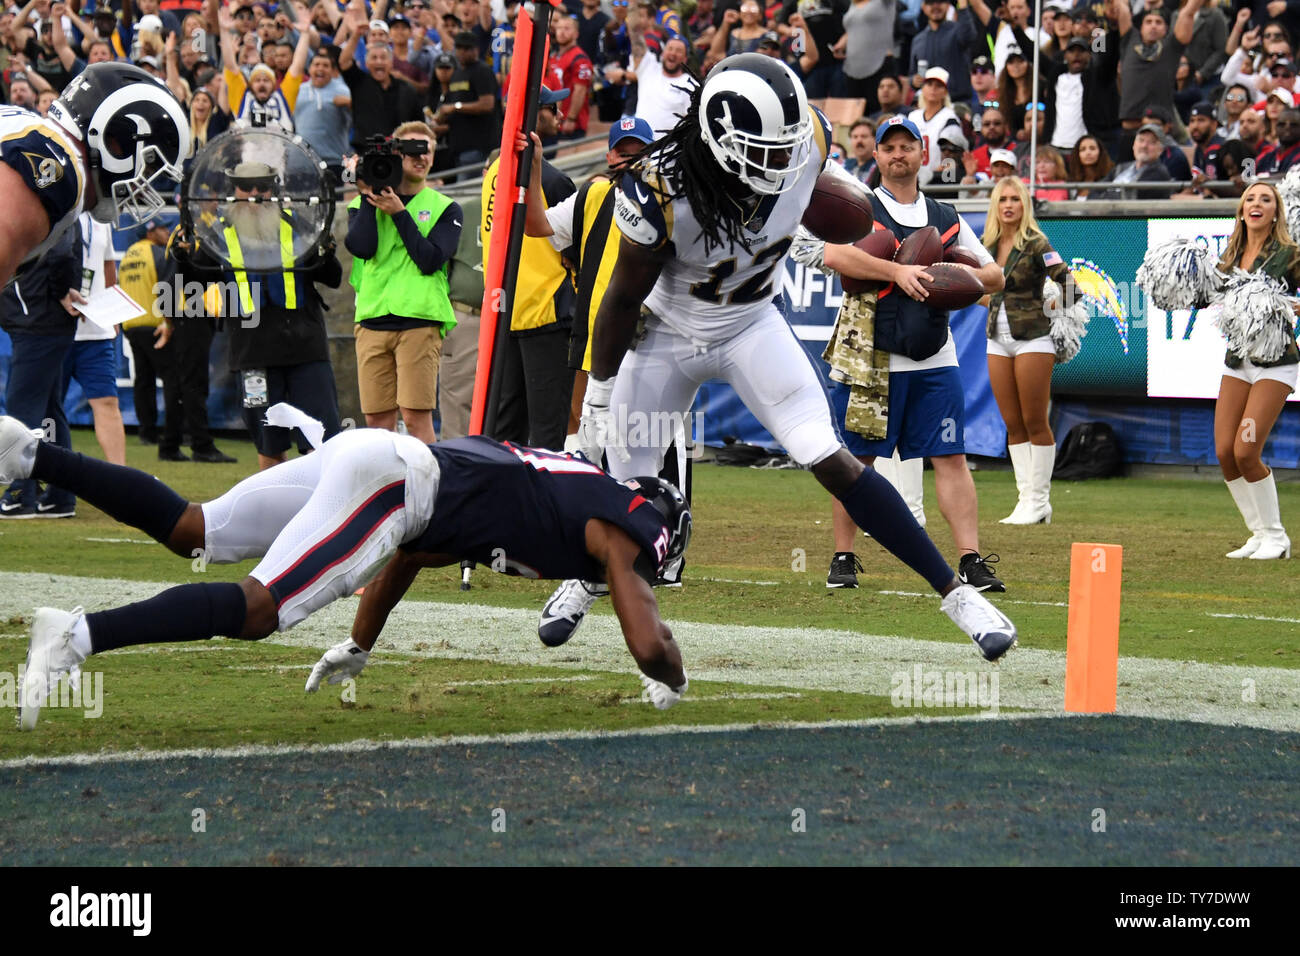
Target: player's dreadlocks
point(689, 169)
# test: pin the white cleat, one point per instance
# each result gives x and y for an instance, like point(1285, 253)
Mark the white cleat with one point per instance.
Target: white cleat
point(50, 655)
point(17, 450)
point(566, 608)
point(990, 629)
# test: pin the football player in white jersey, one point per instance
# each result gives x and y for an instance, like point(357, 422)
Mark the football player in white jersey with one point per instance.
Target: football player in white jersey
point(707, 220)
point(111, 138)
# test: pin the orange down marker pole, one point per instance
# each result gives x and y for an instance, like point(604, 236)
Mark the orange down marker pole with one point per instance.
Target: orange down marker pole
point(1092, 640)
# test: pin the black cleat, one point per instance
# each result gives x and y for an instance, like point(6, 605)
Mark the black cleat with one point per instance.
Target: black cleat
point(975, 571)
point(844, 570)
point(214, 456)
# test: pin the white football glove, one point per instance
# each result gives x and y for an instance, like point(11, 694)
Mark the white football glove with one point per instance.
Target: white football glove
point(338, 663)
point(596, 431)
point(809, 251)
point(660, 694)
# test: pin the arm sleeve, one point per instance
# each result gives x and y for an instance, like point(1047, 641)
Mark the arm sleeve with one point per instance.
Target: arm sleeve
point(430, 253)
point(560, 216)
point(966, 239)
point(363, 231)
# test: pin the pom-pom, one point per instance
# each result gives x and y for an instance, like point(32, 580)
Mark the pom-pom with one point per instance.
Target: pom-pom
point(1178, 275)
point(1289, 190)
point(1256, 316)
point(1069, 326)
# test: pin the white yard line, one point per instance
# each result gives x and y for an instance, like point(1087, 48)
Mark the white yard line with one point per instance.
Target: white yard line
point(765, 657)
point(437, 743)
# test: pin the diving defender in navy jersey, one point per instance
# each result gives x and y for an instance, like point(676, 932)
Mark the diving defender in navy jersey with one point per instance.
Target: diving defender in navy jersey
point(372, 508)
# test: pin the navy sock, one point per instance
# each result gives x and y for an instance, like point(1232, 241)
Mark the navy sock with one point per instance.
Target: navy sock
point(877, 508)
point(188, 612)
point(130, 496)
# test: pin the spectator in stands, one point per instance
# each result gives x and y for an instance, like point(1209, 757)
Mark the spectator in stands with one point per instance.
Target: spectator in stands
point(538, 383)
point(796, 50)
point(143, 264)
point(1187, 92)
point(1043, 117)
point(379, 102)
point(823, 27)
point(1002, 163)
point(889, 96)
point(323, 114)
point(1207, 51)
point(402, 241)
point(1278, 99)
point(1015, 90)
point(866, 50)
point(1236, 160)
point(983, 82)
point(1015, 14)
point(1171, 155)
point(954, 157)
point(1149, 58)
point(403, 67)
point(740, 31)
point(444, 68)
point(994, 134)
point(571, 70)
point(470, 107)
point(931, 117)
point(1088, 163)
point(1049, 167)
point(662, 82)
point(1148, 144)
point(21, 91)
point(1278, 161)
point(1236, 99)
point(1058, 21)
point(862, 150)
point(1083, 91)
point(503, 46)
point(1252, 131)
point(1202, 127)
point(944, 43)
point(206, 122)
point(262, 96)
point(591, 21)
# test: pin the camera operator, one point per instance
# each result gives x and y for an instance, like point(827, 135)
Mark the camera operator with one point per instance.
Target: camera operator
point(402, 237)
point(276, 321)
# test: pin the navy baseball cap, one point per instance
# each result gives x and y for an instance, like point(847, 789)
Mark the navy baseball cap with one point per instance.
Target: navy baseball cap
point(631, 127)
point(897, 122)
point(550, 97)
point(149, 225)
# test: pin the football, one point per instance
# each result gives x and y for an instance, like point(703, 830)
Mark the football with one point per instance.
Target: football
point(962, 256)
point(879, 243)
point(838, 212)
point(952, 286)
point(921, 248)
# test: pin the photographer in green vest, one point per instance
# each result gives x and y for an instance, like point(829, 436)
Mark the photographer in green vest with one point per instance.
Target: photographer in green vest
point(401, 242)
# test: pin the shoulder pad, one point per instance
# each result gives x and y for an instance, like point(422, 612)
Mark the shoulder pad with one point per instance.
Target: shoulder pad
point(822, 134)
point(47, 164)
point(643, 212)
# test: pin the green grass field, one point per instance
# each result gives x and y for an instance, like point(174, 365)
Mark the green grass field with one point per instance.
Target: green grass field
point(462, 711)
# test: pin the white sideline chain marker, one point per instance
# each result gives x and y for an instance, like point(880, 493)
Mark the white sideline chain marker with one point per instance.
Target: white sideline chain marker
point(792, 659)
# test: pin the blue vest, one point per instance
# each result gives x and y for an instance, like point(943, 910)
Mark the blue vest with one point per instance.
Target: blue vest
point(905, 326)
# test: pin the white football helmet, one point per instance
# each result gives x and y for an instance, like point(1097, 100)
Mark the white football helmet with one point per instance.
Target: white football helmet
point(754, 116)
point(135, 132)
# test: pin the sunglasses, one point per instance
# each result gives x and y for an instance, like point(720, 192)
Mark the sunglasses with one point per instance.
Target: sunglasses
point(1273, 35)
point(1283, 75)
point(618, 3)
point(1236, 97)
point(992, 104)
point(256, 185)
point(1041, 107)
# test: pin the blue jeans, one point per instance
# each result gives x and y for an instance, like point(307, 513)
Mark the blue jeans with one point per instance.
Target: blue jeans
point(34, 394)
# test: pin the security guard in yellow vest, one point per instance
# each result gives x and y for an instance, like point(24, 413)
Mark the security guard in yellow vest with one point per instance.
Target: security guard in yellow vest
point(401, 242)
point(279, 347)
point(143, 264)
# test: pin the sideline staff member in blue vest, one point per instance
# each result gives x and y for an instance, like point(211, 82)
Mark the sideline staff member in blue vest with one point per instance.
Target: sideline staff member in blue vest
point(401, 243)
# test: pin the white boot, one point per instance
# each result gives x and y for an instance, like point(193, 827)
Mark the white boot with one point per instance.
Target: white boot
point(1020, 464)
point(908, 479)
point(1240, 491)
point(1275, 543)
point(1038, 509)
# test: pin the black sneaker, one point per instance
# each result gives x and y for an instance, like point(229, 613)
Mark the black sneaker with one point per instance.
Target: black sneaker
point(844, 570)
point(17, 502)
point(214, 456)
point(975, 571)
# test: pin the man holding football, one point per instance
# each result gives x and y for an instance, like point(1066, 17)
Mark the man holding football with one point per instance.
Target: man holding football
point(707, 221)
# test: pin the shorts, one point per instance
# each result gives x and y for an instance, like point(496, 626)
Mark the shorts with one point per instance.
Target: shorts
point(1003, 343)
point(1252, 373)
point(927, 416)
point(398, 369)
point(308, 387)
point(93, 364)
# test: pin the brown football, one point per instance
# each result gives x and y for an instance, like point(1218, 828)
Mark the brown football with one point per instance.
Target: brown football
point(879, 243)
point(838, 212)
point(963, 256)
point(921, 248)
point(952, 286)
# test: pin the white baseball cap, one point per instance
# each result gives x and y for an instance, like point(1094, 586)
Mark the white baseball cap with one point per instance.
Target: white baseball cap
point(1002, 156)
point(379, 25)
point(1284, 95)
point(937, 73)
point(151, 22)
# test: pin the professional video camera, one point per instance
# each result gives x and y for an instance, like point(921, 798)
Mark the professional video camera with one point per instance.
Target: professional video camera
point(381, 161)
